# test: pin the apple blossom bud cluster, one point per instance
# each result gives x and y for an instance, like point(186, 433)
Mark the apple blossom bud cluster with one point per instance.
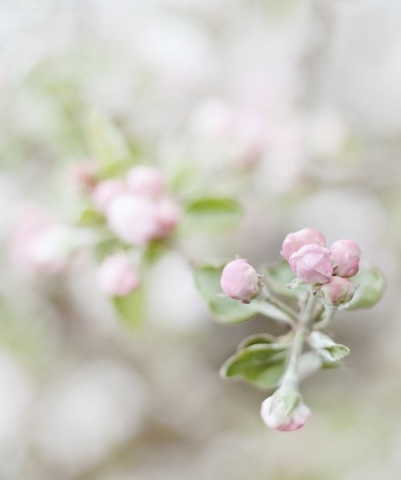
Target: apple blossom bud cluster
point(240, 281)
point(138, 209)
point(329, 269)
point(280, 362)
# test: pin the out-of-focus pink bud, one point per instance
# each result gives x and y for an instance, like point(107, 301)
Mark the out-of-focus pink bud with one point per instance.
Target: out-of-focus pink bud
point(134, 219)
point(312, 264)
point(40, 245)
point(117, 276)
point(338, 291)
point(84, 177)
point(169, 216)
point(105, 192)
point(240, 281)
point(345, 255)
point(284, 411)
point(294, 241)
point(144, 180)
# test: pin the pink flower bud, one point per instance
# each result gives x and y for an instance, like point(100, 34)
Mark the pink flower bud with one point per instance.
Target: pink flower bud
point(345, 255)
point(240, 281)
point(338, 291)
point(40, 245)
point(144, 180)
point(312, 264)
point(105, 192)
point(133, 219)
point(169, 216)
point(284, 411)
point(294, 241)
point(117, 276)
point(84, 177)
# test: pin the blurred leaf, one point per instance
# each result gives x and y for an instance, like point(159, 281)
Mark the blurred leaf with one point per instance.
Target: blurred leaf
point(215, 213)
point(262, 365)
point(108, 146)
point(154, 250)
point(278, 276)
point(370, 290)
point(227, 310)
point(90, 217)
point(130, 309)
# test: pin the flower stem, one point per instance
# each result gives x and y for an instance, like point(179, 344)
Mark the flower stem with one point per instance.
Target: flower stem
point(290, 378)
point(283, 307)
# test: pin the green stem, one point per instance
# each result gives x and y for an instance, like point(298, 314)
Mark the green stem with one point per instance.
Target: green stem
point(290, 378)
point(283, 307)
point(327, 318)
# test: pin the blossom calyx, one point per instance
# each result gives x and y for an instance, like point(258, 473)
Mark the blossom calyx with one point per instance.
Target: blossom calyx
point(294, 241)
point(312, 264)
point(240, 281)
point(345, 255)
point(284, 410)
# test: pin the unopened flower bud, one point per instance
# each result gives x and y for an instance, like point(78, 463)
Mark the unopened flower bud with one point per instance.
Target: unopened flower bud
point(144, 180)
point(105, 192)
point(294, 241)
point(84, 176)
point(169, 216)
point(117, 276)
point(42, 246)
point(240, 281)
point(338, 291)
point(345, 255)
point(312, 264)
point(285, 410)
point(134, 219)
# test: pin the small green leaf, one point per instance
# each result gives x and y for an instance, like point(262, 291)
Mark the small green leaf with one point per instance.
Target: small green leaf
point(327, 348)
point(263, 365)
point(335, 353)
point(130, 309)
point(214, 213)
point(90, 217)
point(108, 145)
point(231, 311)
point(227, 310)
point(371, 284)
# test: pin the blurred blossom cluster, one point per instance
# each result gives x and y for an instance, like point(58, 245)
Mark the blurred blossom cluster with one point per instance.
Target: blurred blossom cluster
point(142, 138)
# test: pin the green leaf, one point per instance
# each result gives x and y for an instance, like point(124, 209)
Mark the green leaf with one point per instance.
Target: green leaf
point(327, 348)
point(214, 213)
point(108, 145)
point(278, 276)
point(370, 289)
point(262, 365)
point(258, 338)
point(130, 309)
point(227, 310)
point(90, 217)
point(335, 353)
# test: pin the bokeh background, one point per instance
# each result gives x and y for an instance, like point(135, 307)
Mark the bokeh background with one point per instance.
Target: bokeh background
point(292, 107)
